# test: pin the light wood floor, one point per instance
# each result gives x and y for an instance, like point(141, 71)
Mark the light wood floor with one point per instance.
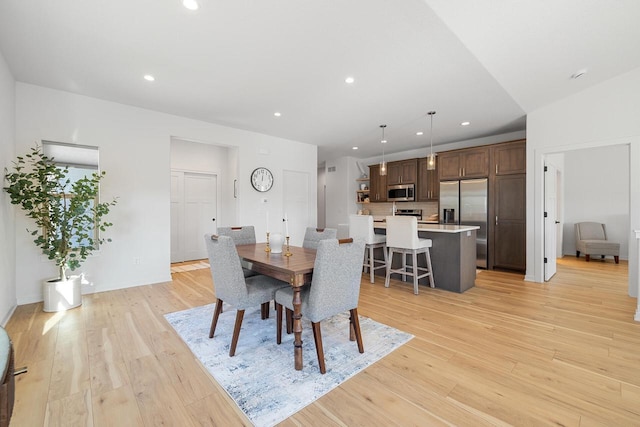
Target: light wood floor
point(506, 352)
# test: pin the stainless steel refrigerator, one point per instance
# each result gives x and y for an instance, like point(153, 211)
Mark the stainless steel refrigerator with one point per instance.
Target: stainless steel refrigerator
point(465, 202)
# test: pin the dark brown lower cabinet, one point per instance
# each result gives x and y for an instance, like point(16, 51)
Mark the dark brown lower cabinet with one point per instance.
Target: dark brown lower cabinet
point(509, 222)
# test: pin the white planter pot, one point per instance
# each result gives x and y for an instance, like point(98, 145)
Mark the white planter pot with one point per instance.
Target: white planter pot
point(62, 295)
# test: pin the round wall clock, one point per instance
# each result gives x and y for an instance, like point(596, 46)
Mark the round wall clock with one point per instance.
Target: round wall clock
point(262, 179)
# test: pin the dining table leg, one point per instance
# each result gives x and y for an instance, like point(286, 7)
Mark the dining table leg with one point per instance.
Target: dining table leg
point(297, 328)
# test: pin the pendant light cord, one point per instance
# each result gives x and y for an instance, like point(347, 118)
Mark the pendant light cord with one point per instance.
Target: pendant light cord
point(431, 113)
point(383, 141)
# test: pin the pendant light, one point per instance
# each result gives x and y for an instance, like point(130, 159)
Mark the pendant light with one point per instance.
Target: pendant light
point(431, 159)
point(383, 164)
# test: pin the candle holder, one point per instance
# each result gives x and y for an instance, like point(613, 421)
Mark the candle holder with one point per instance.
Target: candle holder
point(288, 252)
point(268, 248)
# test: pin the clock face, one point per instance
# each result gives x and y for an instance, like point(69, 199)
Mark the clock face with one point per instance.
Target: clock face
point(262, 179)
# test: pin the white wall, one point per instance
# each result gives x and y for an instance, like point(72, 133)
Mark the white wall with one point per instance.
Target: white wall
point(7, 222)
point(596, 184)
point(135, 152)
point(322, 208)
point(340, 178)
point(603, 115)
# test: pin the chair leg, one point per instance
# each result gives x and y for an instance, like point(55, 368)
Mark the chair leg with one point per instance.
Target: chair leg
point(365, 262)
point(278, 323)
point(289, 321)
point(404, 266)
point(371, 263)
point(431, 282)
point(587, 257)
point(216, 314)
point(355, 322)
point(264, 310)
point(414, 258)
point(616, 258)
point(236, 332)
point(386, 257)
point(317, 337)
point(389, 261)
point(577, 254)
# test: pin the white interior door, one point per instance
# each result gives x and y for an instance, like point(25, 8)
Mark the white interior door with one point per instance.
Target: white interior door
point(550, 221)
point(296, 204)
point(193, 213)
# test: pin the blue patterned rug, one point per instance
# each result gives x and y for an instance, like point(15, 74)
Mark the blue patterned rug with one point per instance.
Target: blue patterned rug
point(261, 377)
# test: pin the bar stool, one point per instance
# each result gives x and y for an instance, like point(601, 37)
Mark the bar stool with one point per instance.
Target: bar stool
point(361, 227)
point(402, 237)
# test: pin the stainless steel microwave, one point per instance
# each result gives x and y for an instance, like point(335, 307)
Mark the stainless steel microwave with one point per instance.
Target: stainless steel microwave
point(401, 193)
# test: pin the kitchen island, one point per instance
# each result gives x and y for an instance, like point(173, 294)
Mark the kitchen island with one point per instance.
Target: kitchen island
point(453, 254)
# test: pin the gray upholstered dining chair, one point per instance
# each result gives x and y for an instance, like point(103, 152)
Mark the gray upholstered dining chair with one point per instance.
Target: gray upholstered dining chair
point(232, 287)
point(244, 235)
point(361, 226)
point(313, 235)
point(591, 239)
point(335, 288)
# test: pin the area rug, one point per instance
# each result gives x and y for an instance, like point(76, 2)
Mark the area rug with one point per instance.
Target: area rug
point(261, 377)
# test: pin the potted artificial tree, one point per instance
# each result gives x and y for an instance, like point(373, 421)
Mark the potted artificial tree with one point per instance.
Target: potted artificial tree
point(68, 219)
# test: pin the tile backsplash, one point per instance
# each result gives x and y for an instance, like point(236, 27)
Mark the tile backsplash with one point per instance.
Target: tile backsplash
point(380, 210)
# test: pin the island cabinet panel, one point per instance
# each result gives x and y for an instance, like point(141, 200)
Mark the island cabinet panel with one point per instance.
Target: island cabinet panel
point(509, 158)
point(377, 185)
point(467, 163)
point(428, 187)
point(403, 172)
point(453, 256)
point(509, 222)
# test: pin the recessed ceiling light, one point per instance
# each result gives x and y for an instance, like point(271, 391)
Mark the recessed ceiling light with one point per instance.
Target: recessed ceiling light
point(190, 4)
point(420, 133)
point(384, 141)
point(277, 114)
point(349, 80)
point(354, 148)
point(149, 78)
point(465, 123)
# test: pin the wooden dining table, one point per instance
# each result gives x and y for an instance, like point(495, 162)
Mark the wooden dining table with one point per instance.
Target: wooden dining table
point(296, 270)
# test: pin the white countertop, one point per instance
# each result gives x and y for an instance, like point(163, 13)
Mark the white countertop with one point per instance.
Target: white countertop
point(436, 228)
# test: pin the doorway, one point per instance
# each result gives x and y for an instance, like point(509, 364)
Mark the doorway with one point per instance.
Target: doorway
point(586, 184)
point(296, 204)
point(552, 220)
point(194, 210)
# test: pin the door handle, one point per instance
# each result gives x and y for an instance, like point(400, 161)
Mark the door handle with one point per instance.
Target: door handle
point(213, 219)
point(496, 219)
point(557, 222)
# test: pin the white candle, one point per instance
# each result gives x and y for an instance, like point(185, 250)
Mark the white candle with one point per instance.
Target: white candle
point(267, 221)
point(286, 226)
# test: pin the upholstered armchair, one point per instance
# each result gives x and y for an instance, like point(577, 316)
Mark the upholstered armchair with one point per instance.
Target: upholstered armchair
point(591, 239)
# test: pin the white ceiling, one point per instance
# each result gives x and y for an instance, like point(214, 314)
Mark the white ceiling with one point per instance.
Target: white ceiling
point(236, 62)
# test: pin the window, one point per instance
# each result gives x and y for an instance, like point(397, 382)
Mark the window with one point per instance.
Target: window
point(80, 161)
